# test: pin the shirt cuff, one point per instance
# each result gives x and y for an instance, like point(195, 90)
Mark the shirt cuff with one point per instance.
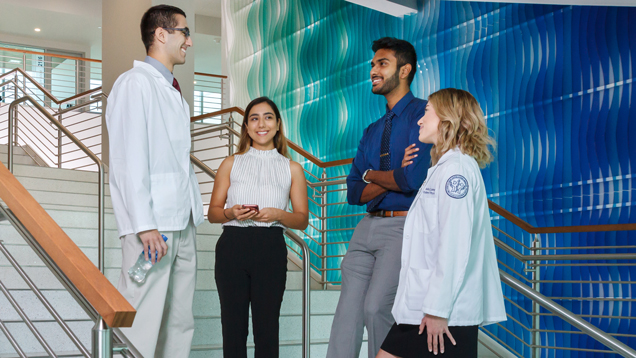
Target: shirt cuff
point(400, 179)
point(354, 192)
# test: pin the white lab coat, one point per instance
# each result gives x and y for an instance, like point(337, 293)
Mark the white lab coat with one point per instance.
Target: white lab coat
point(449, 268)
point(152, 182)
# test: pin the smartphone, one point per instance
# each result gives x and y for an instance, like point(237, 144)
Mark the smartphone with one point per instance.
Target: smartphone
point(252, 207)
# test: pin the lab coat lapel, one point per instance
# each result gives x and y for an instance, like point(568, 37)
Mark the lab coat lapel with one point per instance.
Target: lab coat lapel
point(183, 134)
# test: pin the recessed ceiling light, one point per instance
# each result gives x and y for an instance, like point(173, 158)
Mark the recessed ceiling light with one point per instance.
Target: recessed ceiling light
point(195, 82)
point(99, 27)
point(37, 29)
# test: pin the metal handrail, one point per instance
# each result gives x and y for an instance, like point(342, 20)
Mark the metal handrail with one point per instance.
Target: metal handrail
point(43, 299)
point(119, 338)
point(45, 91)
point(306, 268)
point(98, 162)
point(306, 289)
point(571, 318)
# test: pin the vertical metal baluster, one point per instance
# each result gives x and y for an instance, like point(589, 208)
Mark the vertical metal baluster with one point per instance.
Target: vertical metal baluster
point(230, 136)
point(323, 227)
point(15, 123)
point(59, 140)
point(222, 96)
point(24, 68)
point(14, 138)
point(100, 219)
point(102, 340)
point(536, 308)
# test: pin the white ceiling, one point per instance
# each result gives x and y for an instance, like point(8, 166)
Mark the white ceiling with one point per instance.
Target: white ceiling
point(67, 21)
point(208, 7)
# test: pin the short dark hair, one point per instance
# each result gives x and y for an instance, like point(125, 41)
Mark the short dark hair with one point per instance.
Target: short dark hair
point(158, 16)
point(404, 52)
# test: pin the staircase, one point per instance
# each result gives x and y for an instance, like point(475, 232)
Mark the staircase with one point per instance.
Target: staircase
point(70, 197)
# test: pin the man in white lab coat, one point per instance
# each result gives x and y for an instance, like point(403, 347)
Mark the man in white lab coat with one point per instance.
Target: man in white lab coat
point(154, 189)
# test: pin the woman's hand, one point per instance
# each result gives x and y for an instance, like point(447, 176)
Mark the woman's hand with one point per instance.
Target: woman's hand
point(239, 213)
point(268, 215)
point(408, 155)
point(435, 329)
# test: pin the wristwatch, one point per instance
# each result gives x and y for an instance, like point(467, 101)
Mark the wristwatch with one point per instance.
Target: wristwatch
point(364, 175)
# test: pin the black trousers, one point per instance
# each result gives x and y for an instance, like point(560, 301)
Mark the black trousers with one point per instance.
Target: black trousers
point(404, 341)
point(250, 268)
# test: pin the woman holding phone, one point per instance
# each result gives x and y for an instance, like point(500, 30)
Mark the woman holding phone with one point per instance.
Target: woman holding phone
point(251, 193)
point(449, 281)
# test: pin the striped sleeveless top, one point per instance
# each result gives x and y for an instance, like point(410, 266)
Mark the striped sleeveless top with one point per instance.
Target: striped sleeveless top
point(260, 177)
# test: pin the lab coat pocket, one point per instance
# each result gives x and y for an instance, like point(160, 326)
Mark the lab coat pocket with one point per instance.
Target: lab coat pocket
point(428, 212)
point(167, 193)
point(416, 287)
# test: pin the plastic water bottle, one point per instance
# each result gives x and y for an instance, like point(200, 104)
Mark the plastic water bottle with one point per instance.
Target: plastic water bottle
point(140, 269)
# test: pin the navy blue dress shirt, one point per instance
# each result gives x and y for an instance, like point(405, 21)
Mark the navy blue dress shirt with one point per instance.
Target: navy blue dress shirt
point(404, 132)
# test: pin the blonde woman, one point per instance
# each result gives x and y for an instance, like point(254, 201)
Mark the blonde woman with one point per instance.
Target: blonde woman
point(449, 281)
point(251, 193)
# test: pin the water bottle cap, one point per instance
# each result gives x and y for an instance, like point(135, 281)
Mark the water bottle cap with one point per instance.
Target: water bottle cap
point(165, 239)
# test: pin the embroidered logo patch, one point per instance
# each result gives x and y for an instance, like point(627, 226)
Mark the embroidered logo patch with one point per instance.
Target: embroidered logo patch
point(457, 186)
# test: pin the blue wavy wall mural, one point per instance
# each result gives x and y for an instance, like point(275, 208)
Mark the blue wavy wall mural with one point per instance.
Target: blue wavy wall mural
point(556, 84)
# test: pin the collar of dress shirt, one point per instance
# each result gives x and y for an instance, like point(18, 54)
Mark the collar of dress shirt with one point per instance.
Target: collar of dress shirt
point(402, 103)
point(165, 72)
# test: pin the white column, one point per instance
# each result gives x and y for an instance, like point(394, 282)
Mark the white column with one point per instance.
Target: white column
point(121, 44)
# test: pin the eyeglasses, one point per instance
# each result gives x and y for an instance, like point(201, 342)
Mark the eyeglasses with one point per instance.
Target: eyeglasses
point(184, 30)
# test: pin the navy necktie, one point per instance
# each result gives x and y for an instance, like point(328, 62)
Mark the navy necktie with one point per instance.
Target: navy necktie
point(385, 156)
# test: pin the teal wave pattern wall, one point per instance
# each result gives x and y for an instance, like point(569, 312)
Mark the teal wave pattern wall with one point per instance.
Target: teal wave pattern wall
point(556, 84)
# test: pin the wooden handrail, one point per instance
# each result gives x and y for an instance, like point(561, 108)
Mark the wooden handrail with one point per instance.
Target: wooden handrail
point(94, 286)
point(556, 229)
point(238, 110)
point(49, 94)
point(210, 75)
point(79, 95)
point(47, 54)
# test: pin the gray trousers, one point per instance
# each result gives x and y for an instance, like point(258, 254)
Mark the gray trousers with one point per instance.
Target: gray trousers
point(164, 324)
point(370, 274)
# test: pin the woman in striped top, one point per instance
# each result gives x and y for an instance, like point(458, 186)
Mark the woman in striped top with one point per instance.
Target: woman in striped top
point(251, 255)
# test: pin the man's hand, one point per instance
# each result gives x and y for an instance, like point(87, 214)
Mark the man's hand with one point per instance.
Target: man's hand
point(435, 329)
point(408, 155)
point(153, 242)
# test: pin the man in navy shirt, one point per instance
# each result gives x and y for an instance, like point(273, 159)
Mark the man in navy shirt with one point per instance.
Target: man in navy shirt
point(386, 175)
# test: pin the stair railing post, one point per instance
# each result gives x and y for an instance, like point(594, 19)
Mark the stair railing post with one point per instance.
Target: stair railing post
point(100, 220)
point(59, 140)
point(230, 148)
point(10, 128)
point(323, 227)
point(536, 308)
point(14, 138)
point(102, 340)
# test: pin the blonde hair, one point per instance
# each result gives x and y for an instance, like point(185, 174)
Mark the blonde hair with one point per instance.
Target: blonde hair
point(461, 123)
point(280, 142)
